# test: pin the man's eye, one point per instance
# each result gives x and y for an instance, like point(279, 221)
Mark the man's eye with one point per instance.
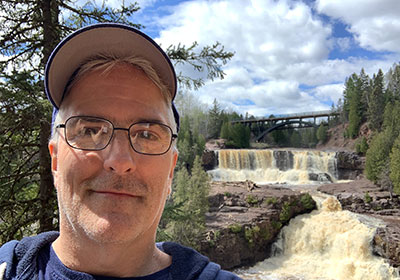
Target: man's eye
point(147, 135)
point(87, 131)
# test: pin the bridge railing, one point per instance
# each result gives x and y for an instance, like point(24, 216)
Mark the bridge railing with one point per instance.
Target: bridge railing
point(316, 113)
point(295, 115)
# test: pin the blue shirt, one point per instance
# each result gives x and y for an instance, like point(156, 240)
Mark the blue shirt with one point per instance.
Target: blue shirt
point(51, 267)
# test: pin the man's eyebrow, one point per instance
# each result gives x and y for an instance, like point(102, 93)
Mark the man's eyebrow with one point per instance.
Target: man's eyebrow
point(146, 120)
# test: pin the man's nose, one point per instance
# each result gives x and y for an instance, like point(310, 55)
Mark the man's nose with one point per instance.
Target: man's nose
point(119, 155)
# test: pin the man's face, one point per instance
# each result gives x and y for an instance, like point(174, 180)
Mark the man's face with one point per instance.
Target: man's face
point(114, 195)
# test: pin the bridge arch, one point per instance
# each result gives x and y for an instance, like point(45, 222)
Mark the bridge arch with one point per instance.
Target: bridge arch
point(303, 124)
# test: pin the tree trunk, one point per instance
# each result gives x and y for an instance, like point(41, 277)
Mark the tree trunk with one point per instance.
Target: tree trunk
point(50, 12)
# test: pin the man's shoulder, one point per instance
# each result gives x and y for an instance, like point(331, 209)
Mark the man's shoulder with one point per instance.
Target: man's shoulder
point(187, 263)
point(16, 256)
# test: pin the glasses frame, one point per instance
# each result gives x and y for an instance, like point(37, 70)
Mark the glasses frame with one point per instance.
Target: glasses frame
point(173, 135)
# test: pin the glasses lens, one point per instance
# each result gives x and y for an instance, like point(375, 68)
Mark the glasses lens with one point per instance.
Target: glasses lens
point(88, 133)
point(150, 138)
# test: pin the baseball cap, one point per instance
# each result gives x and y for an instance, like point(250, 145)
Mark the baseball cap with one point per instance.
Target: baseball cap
point(89, 41)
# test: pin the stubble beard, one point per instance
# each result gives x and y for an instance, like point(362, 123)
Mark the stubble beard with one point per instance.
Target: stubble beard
point(95, 224)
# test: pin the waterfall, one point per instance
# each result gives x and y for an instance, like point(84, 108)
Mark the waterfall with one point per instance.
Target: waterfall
point(276, 166)
point(326, 244)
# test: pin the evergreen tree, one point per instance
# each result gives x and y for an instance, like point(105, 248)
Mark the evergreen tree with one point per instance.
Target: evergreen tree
point(295, 139)
point(192, 193)
point(322, 132)
point(393, 83)
point(376, 103)
point(395, 166)
point(391, 118)
point(225, 131)
point(190, 144)
point(353, 105)
point(215, 114)
point(377, 156)
point(364, 86)
point(361, 146)
point(238, 135)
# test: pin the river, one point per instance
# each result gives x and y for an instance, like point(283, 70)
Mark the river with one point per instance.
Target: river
point(326, 244)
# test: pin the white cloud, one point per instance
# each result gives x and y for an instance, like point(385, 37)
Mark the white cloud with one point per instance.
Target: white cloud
point(281, 47)
point(343, 43)
point(375, 23)
point(329, 93)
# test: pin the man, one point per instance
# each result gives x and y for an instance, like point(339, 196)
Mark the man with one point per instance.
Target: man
point(113, 154)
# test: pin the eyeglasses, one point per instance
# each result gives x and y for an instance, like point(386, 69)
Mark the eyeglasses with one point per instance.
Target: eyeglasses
point(94, 134)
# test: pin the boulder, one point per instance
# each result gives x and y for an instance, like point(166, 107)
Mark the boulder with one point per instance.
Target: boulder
point(209, 160)
point(350, 165)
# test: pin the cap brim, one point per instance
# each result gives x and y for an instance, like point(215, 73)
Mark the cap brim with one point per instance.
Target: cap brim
point(89, 41)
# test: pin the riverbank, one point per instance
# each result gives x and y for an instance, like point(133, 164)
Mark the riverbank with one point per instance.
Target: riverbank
point(245, 219)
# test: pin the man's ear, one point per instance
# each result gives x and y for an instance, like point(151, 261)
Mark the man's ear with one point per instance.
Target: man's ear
point(174, 161)
point(53, 154)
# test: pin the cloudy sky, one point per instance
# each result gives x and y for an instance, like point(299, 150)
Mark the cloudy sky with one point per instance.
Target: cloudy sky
point(290, 56)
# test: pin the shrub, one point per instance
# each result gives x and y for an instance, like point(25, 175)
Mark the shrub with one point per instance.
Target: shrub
point(307, 201)
point(235, 228)
point(252, 200)
point(367, 198)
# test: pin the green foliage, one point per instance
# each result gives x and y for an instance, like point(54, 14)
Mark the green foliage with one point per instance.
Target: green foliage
point(322, 132)
point(395, 166)
point(391, 120)
point(238, 135)
point(307, 201)
point(353, 105)
point(252, 200)
point(276, 225)
point(376, 102)
point(190, 144)
point(361, 146)
point(235, 228)
point(285, 214)
point(367, 198)
point(227, 194)
point(270, 200)
point(208, 60)
point(251, 233)
point(190, 193)
point(295, 139)
point(215, 119)
point(378, 155)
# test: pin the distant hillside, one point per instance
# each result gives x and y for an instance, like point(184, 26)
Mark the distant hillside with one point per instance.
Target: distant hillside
point(337, 141)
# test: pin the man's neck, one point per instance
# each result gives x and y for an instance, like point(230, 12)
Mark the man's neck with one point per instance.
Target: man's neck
point(118, 260)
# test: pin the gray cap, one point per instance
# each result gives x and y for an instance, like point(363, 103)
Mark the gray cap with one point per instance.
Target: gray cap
point(100, 38)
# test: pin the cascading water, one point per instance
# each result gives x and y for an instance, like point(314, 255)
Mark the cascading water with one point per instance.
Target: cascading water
point(326, 244)
point(276, 166)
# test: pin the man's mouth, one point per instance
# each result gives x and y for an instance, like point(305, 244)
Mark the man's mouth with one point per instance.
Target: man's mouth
point(115, 193)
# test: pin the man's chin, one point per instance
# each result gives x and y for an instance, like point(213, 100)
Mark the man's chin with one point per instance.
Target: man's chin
point(109, 230)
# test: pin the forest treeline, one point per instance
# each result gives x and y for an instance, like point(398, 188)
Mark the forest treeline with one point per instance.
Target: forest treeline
point(375, 102)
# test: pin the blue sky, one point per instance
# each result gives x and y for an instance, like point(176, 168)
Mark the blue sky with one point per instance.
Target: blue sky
point(290, 56)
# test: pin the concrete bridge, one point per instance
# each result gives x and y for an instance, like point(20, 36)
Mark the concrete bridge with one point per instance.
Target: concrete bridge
point(280, 121)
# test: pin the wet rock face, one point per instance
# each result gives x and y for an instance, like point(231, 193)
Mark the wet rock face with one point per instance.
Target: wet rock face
point(284, 160)
point(386, 243)
point(209, 160)
point(243, 222)
point(349, 165)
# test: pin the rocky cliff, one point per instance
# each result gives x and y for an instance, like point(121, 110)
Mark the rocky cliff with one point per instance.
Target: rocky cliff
point(244, 220)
